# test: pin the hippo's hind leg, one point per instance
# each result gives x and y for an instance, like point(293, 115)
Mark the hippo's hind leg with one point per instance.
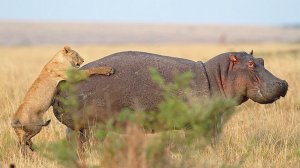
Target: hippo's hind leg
point(69, 134)
point(81, 137)
point(84, 135)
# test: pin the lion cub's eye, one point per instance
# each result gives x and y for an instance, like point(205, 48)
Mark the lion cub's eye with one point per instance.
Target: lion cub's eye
point(251, 64)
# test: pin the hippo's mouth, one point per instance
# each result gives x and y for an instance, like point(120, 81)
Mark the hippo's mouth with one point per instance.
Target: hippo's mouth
point(259, 96)
point(267, 100)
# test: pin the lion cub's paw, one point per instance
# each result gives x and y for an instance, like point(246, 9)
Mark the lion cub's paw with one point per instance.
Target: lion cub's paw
point(105, 71)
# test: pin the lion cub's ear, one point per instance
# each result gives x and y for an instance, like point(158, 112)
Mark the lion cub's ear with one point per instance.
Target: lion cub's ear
point(67, 49)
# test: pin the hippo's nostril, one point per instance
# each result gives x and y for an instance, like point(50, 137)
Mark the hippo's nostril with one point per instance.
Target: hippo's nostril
point(284, 88)
point(274, 90)
point(285, 83)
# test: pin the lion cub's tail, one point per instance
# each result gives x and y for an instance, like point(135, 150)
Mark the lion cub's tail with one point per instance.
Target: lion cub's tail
point(17, 124)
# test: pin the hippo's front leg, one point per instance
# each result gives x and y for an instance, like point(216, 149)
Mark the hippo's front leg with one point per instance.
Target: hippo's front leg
point(217, 128)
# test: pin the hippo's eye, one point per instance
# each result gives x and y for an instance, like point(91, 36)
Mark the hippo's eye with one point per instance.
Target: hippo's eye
point(251, 64)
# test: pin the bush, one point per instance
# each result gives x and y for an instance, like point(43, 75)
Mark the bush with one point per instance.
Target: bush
point(197, 119)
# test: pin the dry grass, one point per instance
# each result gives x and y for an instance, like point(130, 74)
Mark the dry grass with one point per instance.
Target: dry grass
point(257, 136)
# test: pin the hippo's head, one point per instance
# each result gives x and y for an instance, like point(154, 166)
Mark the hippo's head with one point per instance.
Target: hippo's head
point(242, 77)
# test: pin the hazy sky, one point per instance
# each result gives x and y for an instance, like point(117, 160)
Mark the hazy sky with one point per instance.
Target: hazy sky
point(263, 12)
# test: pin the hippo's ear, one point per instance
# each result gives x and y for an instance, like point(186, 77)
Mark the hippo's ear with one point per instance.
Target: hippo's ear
point(67, 49)
point(233, 58)
point(251, 52)
point(261, 61)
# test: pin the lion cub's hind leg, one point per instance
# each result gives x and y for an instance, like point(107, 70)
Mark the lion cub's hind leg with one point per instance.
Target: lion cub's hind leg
point(104, 70)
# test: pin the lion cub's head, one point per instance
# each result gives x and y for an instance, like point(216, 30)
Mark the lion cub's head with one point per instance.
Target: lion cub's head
point(67, 56)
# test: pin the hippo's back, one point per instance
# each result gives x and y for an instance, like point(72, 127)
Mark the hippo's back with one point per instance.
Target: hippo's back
point(133, 60)
point(130, 86)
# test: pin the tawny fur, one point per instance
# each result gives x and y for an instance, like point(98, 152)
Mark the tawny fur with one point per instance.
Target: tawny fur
point(28, 119)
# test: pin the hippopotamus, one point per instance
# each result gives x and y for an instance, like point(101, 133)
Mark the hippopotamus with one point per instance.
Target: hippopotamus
point(234, 75)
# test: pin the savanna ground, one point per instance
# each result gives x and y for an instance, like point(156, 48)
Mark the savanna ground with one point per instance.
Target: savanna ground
point(256, 136)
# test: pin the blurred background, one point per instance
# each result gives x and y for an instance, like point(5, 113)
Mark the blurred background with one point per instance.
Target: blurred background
point(33, 22)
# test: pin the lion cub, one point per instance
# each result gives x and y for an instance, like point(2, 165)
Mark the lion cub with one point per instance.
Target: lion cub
point(28, 119)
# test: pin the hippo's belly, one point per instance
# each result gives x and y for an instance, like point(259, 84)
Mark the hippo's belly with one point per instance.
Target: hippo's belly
point(101, 97)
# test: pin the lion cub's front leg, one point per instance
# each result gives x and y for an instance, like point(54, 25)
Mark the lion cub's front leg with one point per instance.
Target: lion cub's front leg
point(99, 71)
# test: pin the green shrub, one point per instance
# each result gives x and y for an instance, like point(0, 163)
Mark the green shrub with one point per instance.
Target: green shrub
point(198, 118)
